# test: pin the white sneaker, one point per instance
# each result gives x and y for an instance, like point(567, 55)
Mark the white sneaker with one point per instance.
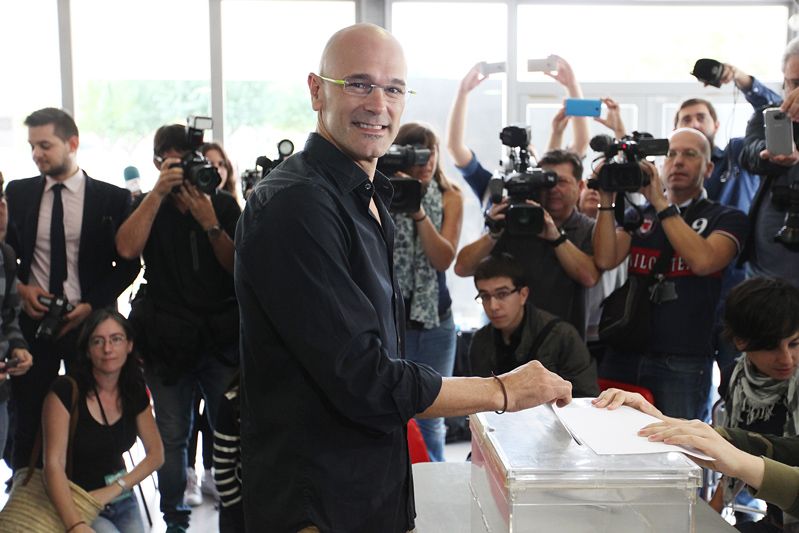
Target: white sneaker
point(208, 486)
point(192, 495)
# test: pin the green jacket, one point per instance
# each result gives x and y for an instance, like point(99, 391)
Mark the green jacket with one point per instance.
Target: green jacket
point(781, 455)
point(562, 352)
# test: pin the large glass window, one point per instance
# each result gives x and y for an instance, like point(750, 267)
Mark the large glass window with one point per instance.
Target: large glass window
point(31, 77)
point(137, 66)
point(442, 41)
point(618, 42)
point(268, 50)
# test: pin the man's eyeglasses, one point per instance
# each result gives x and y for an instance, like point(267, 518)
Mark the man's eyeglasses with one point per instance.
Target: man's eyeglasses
point(500, 295)
point(358, 87)
point(688, 154)
point(115, 340)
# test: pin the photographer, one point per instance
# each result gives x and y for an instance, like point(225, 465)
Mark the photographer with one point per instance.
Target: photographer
point(676, 362)
point(776, 200)
point(424, 249)
point(557, 262)
point(61, 224)
point(186, 316)
point(466, 161)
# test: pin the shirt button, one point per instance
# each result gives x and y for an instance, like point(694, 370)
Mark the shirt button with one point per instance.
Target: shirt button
point(367, 187)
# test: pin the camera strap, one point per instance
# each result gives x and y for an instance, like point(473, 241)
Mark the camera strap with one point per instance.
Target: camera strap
point(620, 210)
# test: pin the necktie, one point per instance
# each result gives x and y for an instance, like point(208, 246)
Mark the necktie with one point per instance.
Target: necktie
point(58, 245)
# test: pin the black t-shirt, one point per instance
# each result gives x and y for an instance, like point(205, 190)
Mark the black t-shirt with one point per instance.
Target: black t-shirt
point(180, 265)
point(97, 449)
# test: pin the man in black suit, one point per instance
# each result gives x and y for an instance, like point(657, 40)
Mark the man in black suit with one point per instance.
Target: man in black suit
point(62, 225)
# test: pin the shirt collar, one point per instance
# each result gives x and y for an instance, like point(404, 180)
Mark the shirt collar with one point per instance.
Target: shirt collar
point(73, 183)
point(345, 173)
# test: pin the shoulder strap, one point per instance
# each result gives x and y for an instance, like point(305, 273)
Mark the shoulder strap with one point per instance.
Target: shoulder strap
point(73, 424)
point(542, 335)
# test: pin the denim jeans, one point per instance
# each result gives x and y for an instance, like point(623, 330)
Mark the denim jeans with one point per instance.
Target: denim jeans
point(174, 414)
point(435, 348)
point(680, 383)
point(120, 517)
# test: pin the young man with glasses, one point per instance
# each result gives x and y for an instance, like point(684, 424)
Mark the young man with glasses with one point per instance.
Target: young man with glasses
point(325, 392)
point(705, 237)
point(519, 332)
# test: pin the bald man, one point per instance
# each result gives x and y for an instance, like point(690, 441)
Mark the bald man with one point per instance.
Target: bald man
point(704, 237)
point(326, 394)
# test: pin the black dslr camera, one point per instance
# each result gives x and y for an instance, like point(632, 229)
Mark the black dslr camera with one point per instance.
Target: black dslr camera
point(56, 309)
point(786, 198)
point(708, 71)
point(621, 171)
point(522, 182)
point(263, 166)
point(196, 168)
point(407, 191)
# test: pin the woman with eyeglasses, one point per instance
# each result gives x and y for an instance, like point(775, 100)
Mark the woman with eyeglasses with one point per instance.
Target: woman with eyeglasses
point(113, 410)
point(425, 246)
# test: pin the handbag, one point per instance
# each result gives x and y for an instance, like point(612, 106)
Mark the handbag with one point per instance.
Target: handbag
point(625, 320)
point(29, 509)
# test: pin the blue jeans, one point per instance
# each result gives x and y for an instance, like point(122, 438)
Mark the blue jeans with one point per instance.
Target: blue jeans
point(174, 414)
point(680, 383)
point(435, 348)
point(120, 517)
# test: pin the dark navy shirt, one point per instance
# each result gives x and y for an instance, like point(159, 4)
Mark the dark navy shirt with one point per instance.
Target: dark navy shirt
point(325, 394)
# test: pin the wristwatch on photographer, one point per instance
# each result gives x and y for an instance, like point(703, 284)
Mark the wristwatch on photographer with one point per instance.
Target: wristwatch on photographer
point(214, 232)
point(560, 240)
point(122, 483)
point(670, 211)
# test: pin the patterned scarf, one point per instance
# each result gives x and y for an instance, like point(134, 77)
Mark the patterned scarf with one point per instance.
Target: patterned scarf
point(753, 397)
point(416, 276)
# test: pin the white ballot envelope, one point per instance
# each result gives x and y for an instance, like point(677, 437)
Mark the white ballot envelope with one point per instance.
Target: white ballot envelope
point(613, 432)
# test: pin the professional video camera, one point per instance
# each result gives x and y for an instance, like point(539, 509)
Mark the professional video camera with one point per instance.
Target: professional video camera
point(56, 309)
point(786, 198)
point(249, 178)
point(407, 191)
point(621, 171)
point(521, 182)
point(196, 168)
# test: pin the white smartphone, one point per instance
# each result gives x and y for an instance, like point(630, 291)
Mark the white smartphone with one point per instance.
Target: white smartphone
point(779, 131)
point(492, 68)
point(548, 64)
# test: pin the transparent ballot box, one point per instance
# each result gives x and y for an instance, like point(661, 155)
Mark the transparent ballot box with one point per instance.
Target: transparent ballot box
point(529, 475)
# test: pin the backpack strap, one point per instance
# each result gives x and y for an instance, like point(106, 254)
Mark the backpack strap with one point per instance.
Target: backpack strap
point(543, 334)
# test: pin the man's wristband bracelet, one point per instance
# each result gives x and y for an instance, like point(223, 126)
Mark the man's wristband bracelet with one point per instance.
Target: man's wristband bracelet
point(504, 394)
point(600, 207)
point(420, 219)
point(76, 524)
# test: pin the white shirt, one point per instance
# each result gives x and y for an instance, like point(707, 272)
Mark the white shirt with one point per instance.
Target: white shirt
point(72, 197)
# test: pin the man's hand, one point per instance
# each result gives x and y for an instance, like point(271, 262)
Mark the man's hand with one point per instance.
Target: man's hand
point(199, 205)
point(472, 79)
point(169, 178)
point(498, 211)
point(29, 296)
point(564, 75)
point(729, 73)
point(560, 121)
point(783, 160)
point(531, 384)
point(74, 318)
point(654, 192)
point(550, 232)
point(613, 119)
point(24, 362)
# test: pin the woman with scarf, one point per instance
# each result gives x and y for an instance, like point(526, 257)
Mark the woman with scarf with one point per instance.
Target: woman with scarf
point(761, 317)
point(425, 245)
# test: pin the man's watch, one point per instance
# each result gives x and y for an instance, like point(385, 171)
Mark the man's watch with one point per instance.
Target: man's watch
point(122, 483)
point(560, 240)
point(670, 211)
point(214, 232)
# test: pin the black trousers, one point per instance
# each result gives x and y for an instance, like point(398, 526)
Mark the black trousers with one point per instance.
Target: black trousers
point(28, 391)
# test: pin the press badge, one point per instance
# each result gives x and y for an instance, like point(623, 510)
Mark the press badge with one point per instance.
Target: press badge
point(111, 478)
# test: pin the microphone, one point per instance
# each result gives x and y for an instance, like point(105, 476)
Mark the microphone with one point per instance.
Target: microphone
point(132, 181)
